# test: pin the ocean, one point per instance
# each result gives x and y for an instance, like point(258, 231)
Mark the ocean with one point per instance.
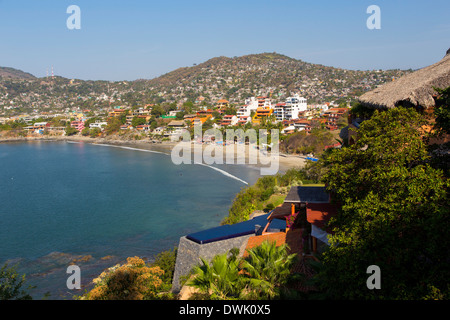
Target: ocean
point(96, 205)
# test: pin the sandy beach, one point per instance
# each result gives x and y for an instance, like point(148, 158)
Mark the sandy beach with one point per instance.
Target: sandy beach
point(285, 161)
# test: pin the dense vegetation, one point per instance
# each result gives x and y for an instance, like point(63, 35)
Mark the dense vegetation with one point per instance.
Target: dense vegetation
point(302, 142)
point(262, 274)
point(267, 193)
point(136, 280)
point(393, 190)
point(12, 284)
point(395, 213)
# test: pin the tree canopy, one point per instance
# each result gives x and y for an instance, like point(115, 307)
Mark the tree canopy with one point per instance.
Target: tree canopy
point(394, 213)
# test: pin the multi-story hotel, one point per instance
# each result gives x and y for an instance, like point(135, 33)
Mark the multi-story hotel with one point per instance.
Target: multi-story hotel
point(264, 109)
point(251, 104)
point(289, 110)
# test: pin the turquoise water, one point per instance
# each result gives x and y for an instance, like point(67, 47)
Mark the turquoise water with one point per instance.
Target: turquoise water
point(62, 201)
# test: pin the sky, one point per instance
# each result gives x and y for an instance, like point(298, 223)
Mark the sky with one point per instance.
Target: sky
point(143, 39)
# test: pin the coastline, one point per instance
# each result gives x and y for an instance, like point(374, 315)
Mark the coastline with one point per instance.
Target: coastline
point(286, 161)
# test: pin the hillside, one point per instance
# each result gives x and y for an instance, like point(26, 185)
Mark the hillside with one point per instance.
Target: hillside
point(240, 77)
point(11, 73)
point(234, 78)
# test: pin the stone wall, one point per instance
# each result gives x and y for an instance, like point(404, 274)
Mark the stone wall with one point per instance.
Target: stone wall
point(190, 252)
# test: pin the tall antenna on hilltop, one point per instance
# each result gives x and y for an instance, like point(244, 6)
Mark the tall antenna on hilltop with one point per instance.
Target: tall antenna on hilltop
point(47, 74)
point(52, 73)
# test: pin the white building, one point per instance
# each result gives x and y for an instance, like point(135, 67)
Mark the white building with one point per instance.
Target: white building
point(98, 124)
point(251, 104)
point(243, 120)
point(289, 110)
point(229, 120)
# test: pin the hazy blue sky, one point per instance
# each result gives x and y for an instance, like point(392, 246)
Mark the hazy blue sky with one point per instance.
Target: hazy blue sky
point(127, 40)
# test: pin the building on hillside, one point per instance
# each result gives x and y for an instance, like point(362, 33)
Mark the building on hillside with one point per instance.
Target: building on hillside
point(143, 127)
point(299, 222)
point(222, 104)
point(199, 99)
point(200, 120)
point(288, 129)
point(333, 115)
point(176, 124)
point(243, 120)
point(229, 120)
point(251, 104)
point(262, 113)
point(315, 204)
point(264, 102)
point(280, 111)
point(205, 112)
point(264, 109)
point(208, 243)
point(38, 127)
point(117, 112)
point(98, 124)
point(302, 124)
point(189, 116)
point(79, 125)
point(290, 108)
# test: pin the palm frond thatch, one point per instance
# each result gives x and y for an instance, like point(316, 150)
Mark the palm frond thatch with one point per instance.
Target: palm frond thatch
point(414, 89)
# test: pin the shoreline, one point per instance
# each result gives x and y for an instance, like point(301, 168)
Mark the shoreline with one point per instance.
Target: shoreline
point(285, 161)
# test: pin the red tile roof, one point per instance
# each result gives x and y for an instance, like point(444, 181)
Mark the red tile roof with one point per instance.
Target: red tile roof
point(319, 214)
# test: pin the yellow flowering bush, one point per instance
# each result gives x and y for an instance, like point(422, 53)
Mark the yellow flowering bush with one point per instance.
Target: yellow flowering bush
point(131, 281)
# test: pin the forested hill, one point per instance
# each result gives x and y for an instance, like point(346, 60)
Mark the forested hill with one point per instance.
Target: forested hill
point(6, 72)
point(240, 77)
point(234, 79)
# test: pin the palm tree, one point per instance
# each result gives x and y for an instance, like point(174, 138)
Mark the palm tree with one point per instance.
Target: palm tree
point(220, 279)
point(267, 268)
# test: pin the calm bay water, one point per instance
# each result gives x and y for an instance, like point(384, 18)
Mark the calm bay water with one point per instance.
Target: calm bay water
point(98, 205)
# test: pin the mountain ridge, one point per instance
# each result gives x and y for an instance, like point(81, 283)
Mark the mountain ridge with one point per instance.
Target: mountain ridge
point(8, 72)
point(234, 79)
point(267, 72)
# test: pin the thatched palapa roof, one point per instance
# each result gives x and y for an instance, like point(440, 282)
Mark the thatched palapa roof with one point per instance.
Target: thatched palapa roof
point(414, 89)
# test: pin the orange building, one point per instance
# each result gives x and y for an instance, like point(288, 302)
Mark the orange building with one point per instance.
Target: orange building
point(222, 104)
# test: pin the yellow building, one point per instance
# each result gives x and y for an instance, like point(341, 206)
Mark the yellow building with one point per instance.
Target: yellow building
point(222, 104)
point(261, 112)
point(117, 112)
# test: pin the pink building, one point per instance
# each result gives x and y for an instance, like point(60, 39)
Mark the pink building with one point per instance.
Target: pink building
point(79, 125)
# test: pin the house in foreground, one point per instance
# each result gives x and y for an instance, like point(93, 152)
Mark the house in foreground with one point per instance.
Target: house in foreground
point(300, 222)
